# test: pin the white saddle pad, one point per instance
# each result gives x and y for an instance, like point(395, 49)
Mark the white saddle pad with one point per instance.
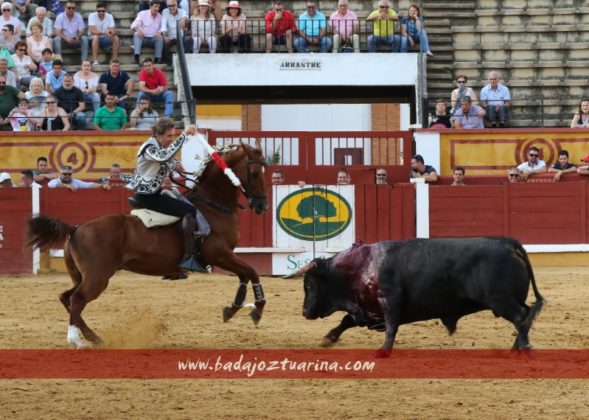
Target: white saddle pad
point(152, 218)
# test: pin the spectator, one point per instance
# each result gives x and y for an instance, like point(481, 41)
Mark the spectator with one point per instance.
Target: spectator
point(66, 180)
point(584, 169)
point(70, 31)
point(344, 25)
point(8, 74)
point(420, 170)
point(37, 42)
point(460, 92)
point(171, 16)
point(343, 177)
point(513, 175)
point(468, 116)
point(382, 176)
point(384, 28)
point(440, 118)
point(495, 99)
point(7, 18)
point(54, 78)
point(144, 116)
point(8, 40)
point(312, 30)
point(46, 23)
point(102, 32)
point(458, 177)
point(27, 180)
point(146, 31)
point(19, 117)
point(413, 32)
point(24, 66)
point(36, 95)
point(581, 118)
point(116, 82)
point(153, 84)
point(116, 178)
point(233, 29)
point(87, 81)
point(53, 118)
point(5, 180)
point(110, 116)
point(203, 26)
point(533, 165)
point(277, 177)
point(43, 174)
point(46, 63)
point(9, 96)
point(71, 100)
point(280, 26)
point(563, 166)
point(24, 11)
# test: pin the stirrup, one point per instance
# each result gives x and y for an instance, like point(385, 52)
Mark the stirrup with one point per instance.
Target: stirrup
point(190, 263)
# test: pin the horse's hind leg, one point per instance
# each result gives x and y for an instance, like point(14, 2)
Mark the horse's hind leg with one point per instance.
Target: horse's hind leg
point(89, 289)
point(76, 277)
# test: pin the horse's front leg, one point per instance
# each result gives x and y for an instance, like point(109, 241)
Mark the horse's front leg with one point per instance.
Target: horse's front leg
point(237, 304)
point(256, 313)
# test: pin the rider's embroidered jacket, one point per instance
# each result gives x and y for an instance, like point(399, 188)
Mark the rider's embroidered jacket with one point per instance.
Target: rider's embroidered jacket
point(153, 164)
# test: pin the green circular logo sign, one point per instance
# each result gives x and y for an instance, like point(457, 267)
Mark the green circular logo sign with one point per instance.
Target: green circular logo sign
point(313, 214)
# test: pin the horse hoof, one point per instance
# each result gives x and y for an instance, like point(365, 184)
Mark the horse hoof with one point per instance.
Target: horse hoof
point(228, 313)
point(328, 342)
point(256, 315)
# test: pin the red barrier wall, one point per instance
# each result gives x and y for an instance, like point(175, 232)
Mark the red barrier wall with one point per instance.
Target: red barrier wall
point(15, 210)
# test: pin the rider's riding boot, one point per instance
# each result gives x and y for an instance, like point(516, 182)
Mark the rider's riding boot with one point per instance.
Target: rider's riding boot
point(188, 261)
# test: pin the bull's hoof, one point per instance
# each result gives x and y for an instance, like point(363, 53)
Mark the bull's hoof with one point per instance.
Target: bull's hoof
point(382, 353)
point(256, 315)
point(328, 342)
point(228, 312)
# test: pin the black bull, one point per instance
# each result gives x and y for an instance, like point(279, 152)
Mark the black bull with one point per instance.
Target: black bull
point(386, 284)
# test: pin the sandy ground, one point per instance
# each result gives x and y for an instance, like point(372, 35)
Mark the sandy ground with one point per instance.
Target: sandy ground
point(142, 312)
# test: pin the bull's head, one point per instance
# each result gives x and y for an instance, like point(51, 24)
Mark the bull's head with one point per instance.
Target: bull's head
point(318, 291)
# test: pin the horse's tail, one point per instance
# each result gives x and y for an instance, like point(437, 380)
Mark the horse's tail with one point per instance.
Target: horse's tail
point(45, 232)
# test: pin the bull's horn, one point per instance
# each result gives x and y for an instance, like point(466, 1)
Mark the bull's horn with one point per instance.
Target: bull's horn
point(312, 265)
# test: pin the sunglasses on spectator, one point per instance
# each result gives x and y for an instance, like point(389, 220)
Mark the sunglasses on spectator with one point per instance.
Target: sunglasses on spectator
point(51, 102)
point(384, 7)
point(22, 49)
point(102, 11)
point(513, 175)
point(71, 8)
point(7, 10)
point(67, 173)
point(460, 81)
point(381, 175)
point(311, 7)
point(2, 83)
point(5, 30)
point(279, 10)
point(533, 155)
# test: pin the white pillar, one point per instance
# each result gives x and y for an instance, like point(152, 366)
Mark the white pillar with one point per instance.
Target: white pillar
point(421, 207)
point(36, 208)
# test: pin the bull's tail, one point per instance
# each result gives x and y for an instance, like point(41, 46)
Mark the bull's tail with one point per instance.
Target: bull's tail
point(537, 306)
point(45, 232)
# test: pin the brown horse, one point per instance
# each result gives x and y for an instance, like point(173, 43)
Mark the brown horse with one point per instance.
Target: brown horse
point(94, 251)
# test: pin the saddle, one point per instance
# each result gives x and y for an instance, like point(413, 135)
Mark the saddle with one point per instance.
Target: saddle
point(150, 218)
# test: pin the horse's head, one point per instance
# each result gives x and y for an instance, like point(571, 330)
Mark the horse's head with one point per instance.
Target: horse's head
point(250, 171)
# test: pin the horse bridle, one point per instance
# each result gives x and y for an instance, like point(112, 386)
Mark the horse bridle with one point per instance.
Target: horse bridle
point(248, 194)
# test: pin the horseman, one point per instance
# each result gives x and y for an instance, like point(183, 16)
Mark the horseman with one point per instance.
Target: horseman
point(154, 160)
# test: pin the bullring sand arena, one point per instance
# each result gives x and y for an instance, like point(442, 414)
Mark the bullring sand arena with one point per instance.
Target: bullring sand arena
point(146, 312)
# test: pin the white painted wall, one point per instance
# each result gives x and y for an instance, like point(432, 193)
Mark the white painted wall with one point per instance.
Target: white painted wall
point(317, 117)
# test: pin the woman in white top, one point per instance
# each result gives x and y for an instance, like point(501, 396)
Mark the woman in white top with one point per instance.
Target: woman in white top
point(233, 29)
point(87, 81)
point(144, 116)
point(23, 64)
point(460, 92)
point(203, 27)
point(37, 42)
point(36, 95)
point(581, 118)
